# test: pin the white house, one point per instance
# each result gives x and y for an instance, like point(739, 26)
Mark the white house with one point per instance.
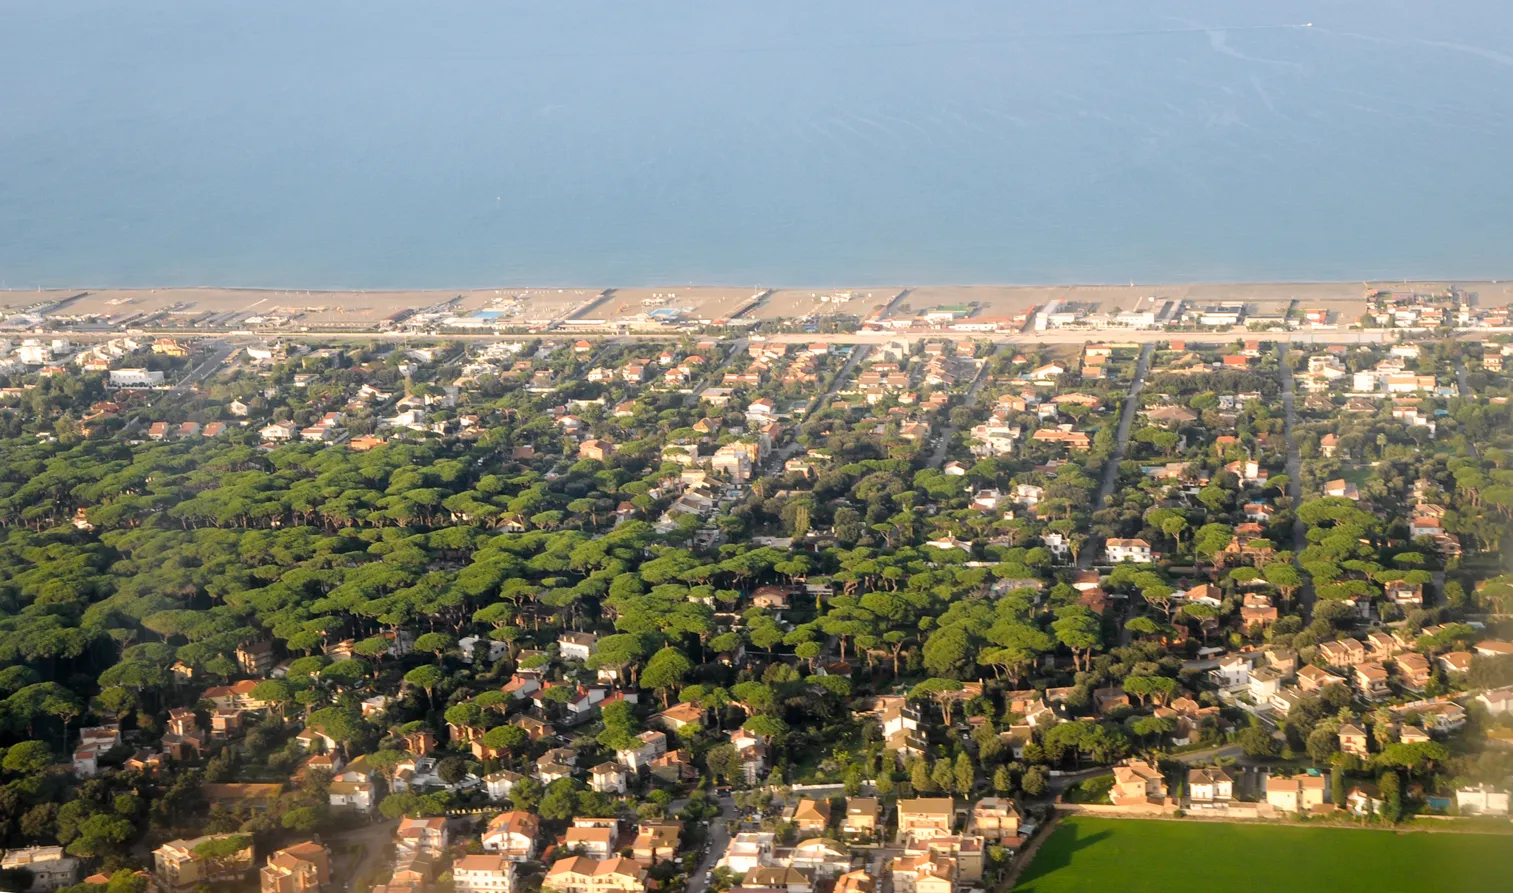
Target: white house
point(512, 835)
point(949, 541)
point(417, 837)
point(577, 646)
point(585, 698)
point(483, 873)
point(33, 353)
point(760, 410)
point(987, 500)
point(316, 741)
point(748, 850)
point(595, 838)
point(1481, 800)
point(901, 717)
point(608, 778)
point(650, 746)
point(820, 857)
point(499, 784)
point(48, 866)
point(358, 795)
point(279, 431)
point(1136, 550)
point(1498, 701)
point(1210, 787)
point(1233, 671)
point(135, 378)
point(468, 646)
point(1264, 682)
point(93, 742)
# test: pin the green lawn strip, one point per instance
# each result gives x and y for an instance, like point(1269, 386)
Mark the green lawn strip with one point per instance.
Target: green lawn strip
point(1134, 856)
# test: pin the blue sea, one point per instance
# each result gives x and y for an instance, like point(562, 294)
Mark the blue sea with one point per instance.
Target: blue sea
point(456, 143)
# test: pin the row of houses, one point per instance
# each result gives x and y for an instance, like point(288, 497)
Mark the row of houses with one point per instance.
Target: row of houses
point(939, 845)
point(183, 865)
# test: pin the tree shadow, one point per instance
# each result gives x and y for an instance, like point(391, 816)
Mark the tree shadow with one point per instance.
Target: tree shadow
point(1056, 853)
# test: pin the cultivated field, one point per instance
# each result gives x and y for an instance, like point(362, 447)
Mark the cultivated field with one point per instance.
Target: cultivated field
point(1142, 856)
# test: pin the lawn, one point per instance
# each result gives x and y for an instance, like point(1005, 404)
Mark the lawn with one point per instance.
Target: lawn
point(1136, 856)
point(1356, 474)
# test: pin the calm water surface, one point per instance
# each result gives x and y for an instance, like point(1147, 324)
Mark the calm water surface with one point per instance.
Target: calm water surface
point(449, 144)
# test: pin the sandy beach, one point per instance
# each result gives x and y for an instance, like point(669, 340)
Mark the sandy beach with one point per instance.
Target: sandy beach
point(361, 309)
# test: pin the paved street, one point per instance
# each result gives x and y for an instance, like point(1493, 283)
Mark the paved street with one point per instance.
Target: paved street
point(372, 858)
point(1466, 394)
point(842, 378)
point(1462, 380)
point(1093, 546)
point(719, 839)
point(938, 458)
point(1295, 479)
point(219, 351)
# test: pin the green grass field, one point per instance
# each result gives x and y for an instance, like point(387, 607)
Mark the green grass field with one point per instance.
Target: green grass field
point(1139, 856)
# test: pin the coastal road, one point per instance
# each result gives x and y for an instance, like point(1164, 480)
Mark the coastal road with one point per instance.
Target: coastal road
point(719, 839)
point(1294, 478)
point(938, 458)
point(1111, 465)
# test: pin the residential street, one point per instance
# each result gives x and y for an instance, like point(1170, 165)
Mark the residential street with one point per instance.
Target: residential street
point(220, 351)
point(719, 839)
point(943, 440)
point(1466, 394)
point(1294, 478)
point(373, 859)
point(1093, 546)
point(840, 380)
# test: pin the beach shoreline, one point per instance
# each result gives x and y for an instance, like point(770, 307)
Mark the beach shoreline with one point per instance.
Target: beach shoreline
point(234, 308)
